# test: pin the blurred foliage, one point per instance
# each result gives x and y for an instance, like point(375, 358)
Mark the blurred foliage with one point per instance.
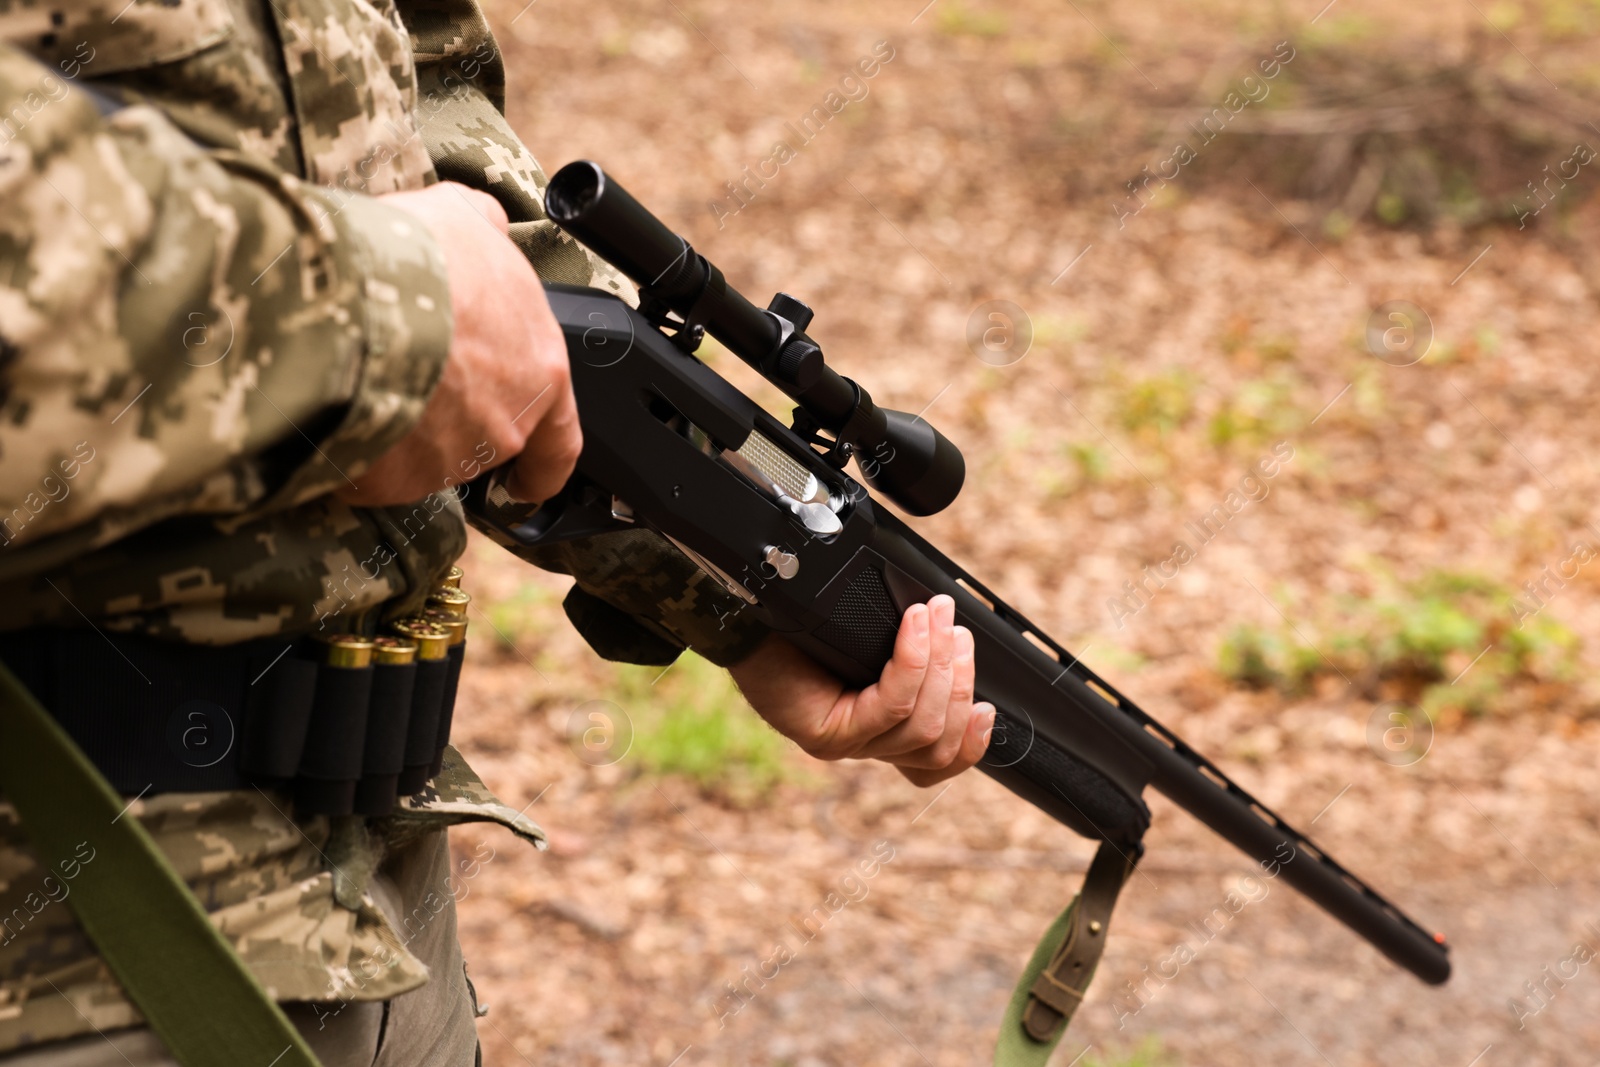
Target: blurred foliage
point(690, 721)
point(1337, 30)
point(1166, 412)
point(959, 20)
point(1260, 412)
point(1087, 464)
point(1148, 1053)
point(693, 722)
point(1369, 398)
point(1245, 347)
point(516, 621)
point(1422, 634)
point(1091, 462)
point(1505, 15)
point(1152, 408)
point(1367, 124)
point(1487, 339)
point(1051, 330)
point(1569, 19)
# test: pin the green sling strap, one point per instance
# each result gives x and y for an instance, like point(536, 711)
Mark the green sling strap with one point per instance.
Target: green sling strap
point(1058, 973)
point(187, 981)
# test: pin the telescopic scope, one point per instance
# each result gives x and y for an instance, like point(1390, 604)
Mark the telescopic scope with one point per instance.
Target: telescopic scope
point(899, 455)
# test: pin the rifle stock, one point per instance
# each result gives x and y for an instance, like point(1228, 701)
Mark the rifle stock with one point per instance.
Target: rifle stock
point(793, 539)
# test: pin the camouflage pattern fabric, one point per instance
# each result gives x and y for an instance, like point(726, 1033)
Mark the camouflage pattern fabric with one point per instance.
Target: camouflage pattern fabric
point(638, 599)
point(193, 332)
point(207, 325)
point(200, 342)
point(269, 883)
point(418, 888)
point(455, 795)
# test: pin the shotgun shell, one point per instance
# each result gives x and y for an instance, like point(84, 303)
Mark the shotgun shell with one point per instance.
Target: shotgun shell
point(433, 642)
point(453, 623)
point(346, 650)
point(391, 650)
point(452, 601)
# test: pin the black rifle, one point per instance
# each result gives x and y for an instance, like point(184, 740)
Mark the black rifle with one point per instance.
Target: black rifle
point(767, 510)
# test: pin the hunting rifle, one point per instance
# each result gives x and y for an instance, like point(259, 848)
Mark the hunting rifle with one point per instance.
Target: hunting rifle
point(767, 510)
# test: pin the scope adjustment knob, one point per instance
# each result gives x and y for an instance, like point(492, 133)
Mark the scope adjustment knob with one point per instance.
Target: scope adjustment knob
point(796, 311)
point(800, 362)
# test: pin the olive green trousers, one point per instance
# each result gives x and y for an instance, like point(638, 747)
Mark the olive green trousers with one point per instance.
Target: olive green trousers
point(434, 1026)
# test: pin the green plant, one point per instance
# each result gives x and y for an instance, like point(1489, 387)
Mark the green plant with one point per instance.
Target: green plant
point(1460, 196)
point(692, 721)
point(1263, 658)
point(1057, 329)
point(523, 615)
point(1148, 1053)
point(1337, 225)
point(1391, 207)
point(1419, 630)
point(1341, 30)
point(1565, 20)
point(1277, 349)
point(1091, 461)
point(1505, 15)
point(1157, 405)
point(958, 20)
point(1260, 412)
point(1453, 639)
point(1369, 399)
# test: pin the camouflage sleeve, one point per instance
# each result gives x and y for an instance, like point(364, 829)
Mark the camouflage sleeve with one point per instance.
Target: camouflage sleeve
point(460, 105)
point(636, 598)
point(188, 330)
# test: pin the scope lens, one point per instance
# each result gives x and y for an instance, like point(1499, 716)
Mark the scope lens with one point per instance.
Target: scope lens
point(574, 190)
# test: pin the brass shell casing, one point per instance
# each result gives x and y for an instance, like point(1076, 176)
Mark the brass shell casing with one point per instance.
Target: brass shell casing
point(432, 641)
point(454, 623)
point(346, 650)
point(389, 650)
point(453, 601)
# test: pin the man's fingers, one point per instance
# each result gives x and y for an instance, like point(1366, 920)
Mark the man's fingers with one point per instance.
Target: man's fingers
point(505, 349)
point(893, 697)
point(919, 715)
point(944, 708)
point(548, 457)
point(551, 451)
point(964, 673)
point(858, 719)
point(929, 721)
point(974, 742)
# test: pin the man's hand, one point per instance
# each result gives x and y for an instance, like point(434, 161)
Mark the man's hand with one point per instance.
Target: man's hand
point(507, 382)
point(918, 715)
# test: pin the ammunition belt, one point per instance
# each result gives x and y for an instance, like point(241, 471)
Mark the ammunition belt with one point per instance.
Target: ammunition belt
point(346, 724)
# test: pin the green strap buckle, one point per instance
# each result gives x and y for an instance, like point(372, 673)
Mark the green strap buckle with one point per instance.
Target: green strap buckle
point(1058, 973)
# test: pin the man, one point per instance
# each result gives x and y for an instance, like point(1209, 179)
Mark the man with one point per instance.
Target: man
point(265, 296)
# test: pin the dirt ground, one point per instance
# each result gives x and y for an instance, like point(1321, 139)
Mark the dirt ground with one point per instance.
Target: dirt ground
point(981, 162)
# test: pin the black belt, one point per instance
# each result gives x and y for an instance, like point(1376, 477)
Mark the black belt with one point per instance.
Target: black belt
point(347, 727)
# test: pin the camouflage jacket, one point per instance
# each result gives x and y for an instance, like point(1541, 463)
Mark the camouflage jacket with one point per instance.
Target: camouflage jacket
point(208, 324)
